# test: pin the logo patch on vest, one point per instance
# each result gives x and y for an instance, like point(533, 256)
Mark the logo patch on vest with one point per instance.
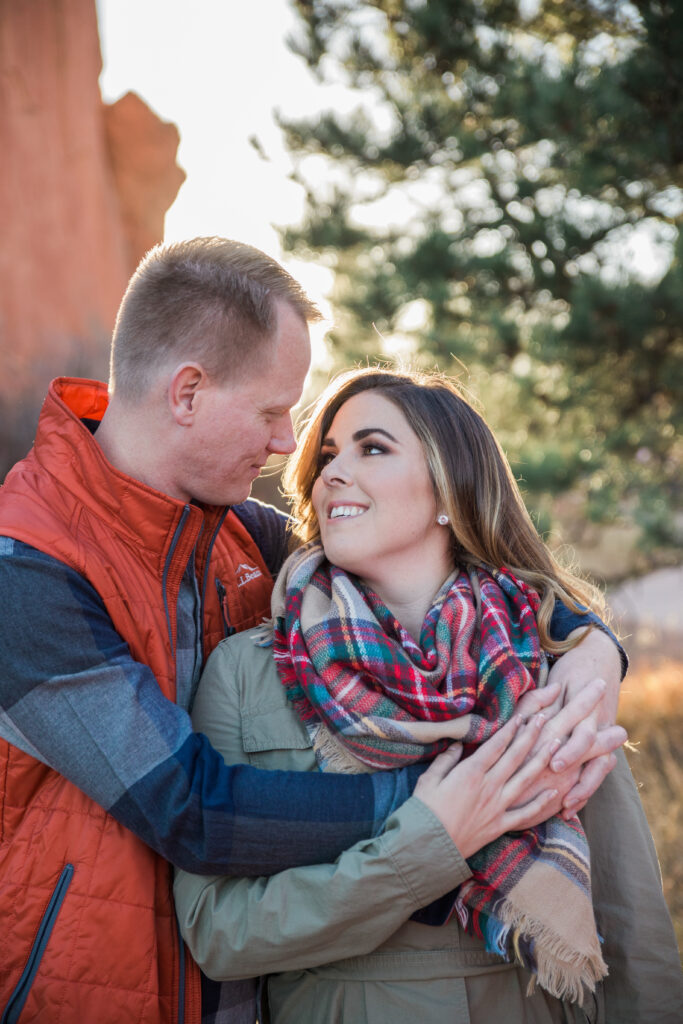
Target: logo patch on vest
point(245, 573)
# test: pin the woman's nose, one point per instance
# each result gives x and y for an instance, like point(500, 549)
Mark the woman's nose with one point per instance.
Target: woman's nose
point(335, 471)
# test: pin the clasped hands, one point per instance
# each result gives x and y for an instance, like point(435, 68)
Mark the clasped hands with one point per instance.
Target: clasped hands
point(580, 706)
point(549, 759)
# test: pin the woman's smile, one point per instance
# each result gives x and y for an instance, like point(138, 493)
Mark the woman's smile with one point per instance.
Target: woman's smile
point(345, 511)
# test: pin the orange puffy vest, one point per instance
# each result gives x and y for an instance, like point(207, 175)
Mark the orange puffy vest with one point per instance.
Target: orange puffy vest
point(88, 927)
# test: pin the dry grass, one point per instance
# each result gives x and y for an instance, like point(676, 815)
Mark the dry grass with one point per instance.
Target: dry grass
point(651, 709)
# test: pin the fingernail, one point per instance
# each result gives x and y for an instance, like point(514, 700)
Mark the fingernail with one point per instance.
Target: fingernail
point(519, 719)
point(539, 719)
point(555, 745)
point(558, 765)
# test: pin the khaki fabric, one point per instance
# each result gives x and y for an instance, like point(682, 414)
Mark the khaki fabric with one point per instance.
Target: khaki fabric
point(336, 940)
point(645, 983)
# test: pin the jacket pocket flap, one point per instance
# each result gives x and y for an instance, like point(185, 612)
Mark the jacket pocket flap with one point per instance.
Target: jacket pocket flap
point(273, 730)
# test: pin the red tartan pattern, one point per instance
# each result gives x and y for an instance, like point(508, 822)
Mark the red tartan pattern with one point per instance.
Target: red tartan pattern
point(346, 662)
point(361, 674)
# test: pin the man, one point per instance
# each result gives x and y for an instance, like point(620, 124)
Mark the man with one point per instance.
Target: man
point(121, 567)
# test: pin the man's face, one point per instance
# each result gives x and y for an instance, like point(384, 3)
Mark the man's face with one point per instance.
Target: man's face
point(240, 423)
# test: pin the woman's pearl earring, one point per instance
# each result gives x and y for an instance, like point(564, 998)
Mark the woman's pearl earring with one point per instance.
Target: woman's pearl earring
point(442, 519)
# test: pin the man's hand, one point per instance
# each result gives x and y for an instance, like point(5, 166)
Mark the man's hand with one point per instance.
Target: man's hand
point(583, 753)
point(479, 799)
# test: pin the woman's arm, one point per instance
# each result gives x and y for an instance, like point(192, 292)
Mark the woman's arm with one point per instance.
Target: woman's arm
point(239, 927)
point(306, 916)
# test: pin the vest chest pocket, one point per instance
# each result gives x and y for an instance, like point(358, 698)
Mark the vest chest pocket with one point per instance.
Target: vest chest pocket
point(277, 738)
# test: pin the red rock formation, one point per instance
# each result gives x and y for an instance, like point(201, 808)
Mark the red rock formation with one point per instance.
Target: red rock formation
point(142, 152)
point(83, 192)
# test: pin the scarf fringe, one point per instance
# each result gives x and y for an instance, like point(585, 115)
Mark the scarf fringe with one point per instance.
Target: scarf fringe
point(560, 969)
point(331, 755)
point(556, 967)
point(263, 634)
point(341, 654)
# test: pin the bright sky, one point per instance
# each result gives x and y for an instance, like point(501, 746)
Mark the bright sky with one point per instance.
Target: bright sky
point(217, 69)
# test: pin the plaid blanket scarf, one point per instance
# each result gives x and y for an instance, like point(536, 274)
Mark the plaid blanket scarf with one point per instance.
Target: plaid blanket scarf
point(371, 698)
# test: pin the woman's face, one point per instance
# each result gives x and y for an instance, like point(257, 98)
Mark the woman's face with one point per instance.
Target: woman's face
point(374, 498)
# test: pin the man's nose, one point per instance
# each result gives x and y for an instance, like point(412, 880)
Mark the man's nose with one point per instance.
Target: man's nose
point(282, 441)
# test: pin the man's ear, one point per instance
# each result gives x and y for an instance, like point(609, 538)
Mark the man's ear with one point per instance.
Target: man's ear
point(185, 385)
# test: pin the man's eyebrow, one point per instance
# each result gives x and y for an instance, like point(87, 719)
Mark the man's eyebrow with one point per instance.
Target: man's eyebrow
point(328, 442)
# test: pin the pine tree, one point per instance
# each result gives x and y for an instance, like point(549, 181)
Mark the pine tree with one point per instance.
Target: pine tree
point(481, 206)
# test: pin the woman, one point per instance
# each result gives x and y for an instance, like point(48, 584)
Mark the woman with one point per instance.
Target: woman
point(422, 619)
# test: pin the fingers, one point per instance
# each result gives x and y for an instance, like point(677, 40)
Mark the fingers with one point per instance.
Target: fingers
point(576, 749)
point(588, 742)
point(505, 752)
point(490, 752)
point(542, 807)
point(440, 767)
point(607, 740)
point(577, 719)
point(593, 774)
point(579, 707)
point(538, 700)
point(532, 777)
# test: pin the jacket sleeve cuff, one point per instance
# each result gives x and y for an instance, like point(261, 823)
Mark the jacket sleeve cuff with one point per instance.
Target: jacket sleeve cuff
point(416, 841)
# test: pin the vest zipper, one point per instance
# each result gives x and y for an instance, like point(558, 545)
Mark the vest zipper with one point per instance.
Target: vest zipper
point(182, 964)
point(23, 987)
point(219, 586)
point(169, 558)
point(167, 565)
point(228, 630)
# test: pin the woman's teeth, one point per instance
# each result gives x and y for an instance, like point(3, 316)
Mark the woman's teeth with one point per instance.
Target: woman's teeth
point(344, 511)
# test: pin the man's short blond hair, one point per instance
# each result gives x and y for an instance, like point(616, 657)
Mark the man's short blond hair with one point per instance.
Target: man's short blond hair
point(212, 300)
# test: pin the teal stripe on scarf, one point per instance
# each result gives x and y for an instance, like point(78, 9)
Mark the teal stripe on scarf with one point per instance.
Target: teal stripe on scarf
point(363, 686)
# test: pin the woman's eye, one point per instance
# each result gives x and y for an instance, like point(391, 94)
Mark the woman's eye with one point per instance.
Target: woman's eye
point(373, 449)
point(324, 458)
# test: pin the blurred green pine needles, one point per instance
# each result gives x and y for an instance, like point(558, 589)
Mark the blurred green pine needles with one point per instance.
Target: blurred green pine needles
point(504, 190)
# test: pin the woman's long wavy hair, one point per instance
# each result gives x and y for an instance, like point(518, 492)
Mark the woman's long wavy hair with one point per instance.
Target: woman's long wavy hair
point(472, 480)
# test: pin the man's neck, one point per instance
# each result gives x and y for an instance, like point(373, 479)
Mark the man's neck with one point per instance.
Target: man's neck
point(130, 442)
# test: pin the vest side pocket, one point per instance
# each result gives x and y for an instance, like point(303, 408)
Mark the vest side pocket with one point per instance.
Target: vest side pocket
point(17, 999)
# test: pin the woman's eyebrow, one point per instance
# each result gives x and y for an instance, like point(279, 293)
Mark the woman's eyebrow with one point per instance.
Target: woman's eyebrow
point(329, 442)
point(360, 434)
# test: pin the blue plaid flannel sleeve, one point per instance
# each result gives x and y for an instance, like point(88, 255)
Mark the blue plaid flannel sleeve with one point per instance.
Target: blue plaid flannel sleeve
point(564, 621)
point(72, 696)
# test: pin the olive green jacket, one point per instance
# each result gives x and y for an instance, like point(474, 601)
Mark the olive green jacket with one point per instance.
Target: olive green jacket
point(335, 939)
